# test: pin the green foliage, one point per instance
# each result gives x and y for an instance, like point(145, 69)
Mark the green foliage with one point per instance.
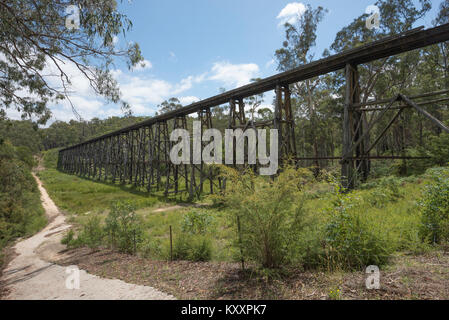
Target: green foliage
point(438, 149)
point(269, 213)
point(120, 230)
point(21, 213)
point(363, 227)
point(387, 190)
point(169, 105)
point(50, 158)
point(196, 222)
point(92, 233)
point(192, 247)
point(69, 238)
point(123, 227)
point(201, 249)
point(151, 248)
point(351, 240)
point(434, 206)
point(181, 247)
point(334, 294)
point(35, 32)
point(22, 134)
point(193, 242)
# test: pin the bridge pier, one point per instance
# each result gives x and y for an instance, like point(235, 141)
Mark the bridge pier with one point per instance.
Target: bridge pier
point(139, 154)
point(285, 124)
point(354, 123)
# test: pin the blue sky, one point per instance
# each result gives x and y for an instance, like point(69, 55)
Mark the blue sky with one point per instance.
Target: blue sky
point(195, 47)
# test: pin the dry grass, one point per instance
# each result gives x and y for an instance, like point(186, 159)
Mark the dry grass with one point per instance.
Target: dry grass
point(407, 277)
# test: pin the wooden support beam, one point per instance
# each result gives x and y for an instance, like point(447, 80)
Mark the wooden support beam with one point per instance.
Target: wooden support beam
point(139, 154)
point(410, 40)
point(347, 164)
point(384, 131)
point(435, 121)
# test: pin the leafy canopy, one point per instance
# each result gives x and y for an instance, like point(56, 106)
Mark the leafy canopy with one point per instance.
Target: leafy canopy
point(36, 48)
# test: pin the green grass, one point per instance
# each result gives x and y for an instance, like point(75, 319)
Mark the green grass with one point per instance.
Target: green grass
point(77, 195)
point(157, 226)
point(80, 197)
point(388, 204)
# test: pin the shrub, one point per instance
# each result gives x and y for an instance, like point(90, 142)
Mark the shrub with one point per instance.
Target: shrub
point(201, 250)
point(386, 190)
point(196, 222)
point(122, 230)
point(150, 248)
point(68, 238)
point(438, 149)
point(435, 211)
point(269, 213)
point(181, 247)
point(123, 227)
point(92, 232)
point(21, 212)
point(351, 240)
point(193, 248)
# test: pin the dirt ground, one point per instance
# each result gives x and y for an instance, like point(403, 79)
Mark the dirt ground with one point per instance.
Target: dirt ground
point(408, 277)
point(31, 274)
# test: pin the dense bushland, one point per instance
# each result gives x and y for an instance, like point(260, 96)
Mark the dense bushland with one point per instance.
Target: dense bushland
point(21, 213)
point(435, 208)
point(294, 220)
point(276, 225)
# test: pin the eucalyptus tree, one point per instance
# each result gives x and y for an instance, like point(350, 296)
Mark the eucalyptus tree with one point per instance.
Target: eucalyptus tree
point(388, 76)
point(253, 103)
point(37, 36)
point(298, 50)
point(169, 105)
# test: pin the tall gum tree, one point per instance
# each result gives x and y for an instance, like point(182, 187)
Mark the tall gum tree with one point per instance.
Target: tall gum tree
point(34, 36)
point(385, 77)
point(298, 50)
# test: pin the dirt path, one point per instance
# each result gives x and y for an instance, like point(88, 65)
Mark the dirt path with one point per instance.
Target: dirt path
point(31, 275)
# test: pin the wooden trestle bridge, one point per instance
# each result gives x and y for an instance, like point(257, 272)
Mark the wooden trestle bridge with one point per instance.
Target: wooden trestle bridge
point(139, 154)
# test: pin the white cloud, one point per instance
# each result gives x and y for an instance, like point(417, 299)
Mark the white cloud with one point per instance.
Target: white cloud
point(269, 63)
point(78, 81)
point(187, 83)
point(291, 13)
point(235, 75)
point(141, 90)
point(188, 100)
point(145, 64)
point(145, 93)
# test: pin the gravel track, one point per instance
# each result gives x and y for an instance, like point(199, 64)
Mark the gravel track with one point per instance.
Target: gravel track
point(32, 275)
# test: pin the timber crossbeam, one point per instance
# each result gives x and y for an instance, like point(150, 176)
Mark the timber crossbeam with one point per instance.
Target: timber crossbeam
point(140, 154)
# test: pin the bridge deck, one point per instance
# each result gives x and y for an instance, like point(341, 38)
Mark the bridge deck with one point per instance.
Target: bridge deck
point(410, 40)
